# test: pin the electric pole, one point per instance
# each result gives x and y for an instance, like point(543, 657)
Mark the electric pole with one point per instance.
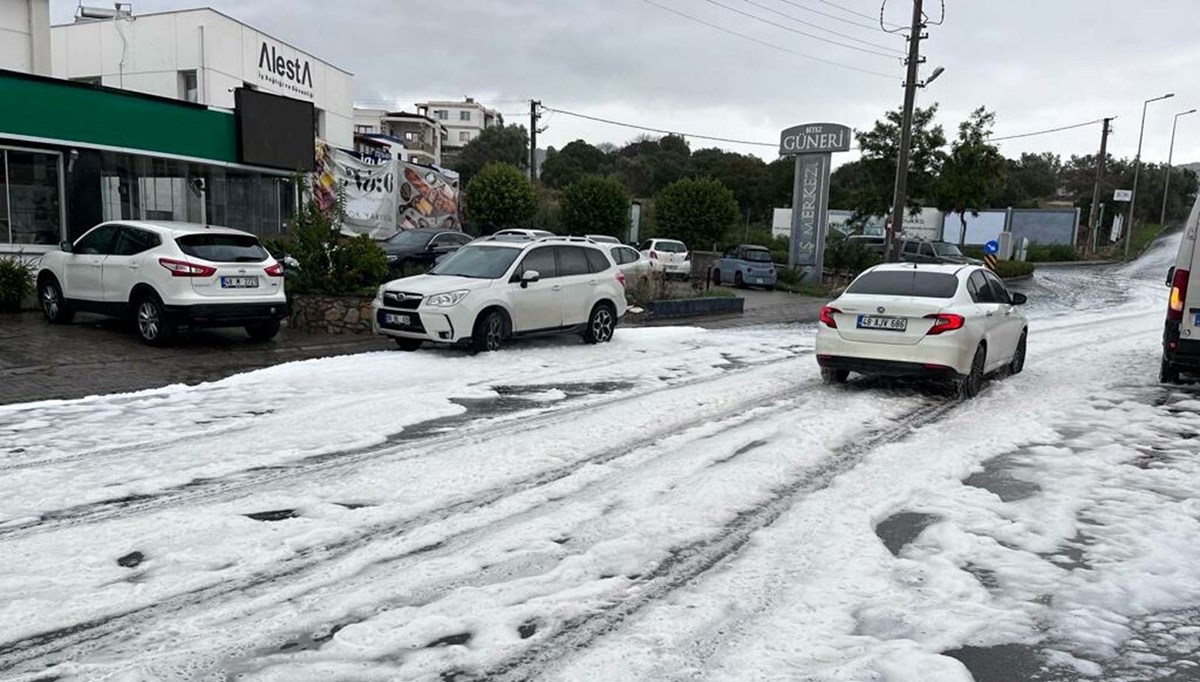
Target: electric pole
point(534, 115)
point(1101, 162)
point(900, 198)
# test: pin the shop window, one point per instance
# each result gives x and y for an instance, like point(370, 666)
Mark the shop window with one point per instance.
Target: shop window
point(31, 205)
point(189, 90)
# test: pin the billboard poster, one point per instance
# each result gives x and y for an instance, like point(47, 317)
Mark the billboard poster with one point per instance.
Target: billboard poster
point(368, 184)
point(428, 197)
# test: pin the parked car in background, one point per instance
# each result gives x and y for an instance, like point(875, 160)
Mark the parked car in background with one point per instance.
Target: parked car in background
point(957, 322)
point(496, 288)
point(1181, 333)
point(745, 265)
point(603, 239)
point(871, 242)
point(165, 275)
point(669, 257)
point(531, 234)
point(631, 262)
point(922, 251)
point(421, 246)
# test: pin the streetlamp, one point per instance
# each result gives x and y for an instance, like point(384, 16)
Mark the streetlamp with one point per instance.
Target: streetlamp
point(1137, 167)
point(1162, 220)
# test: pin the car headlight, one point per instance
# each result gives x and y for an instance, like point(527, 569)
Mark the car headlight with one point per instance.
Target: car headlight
point(378, 296)
point(391, 257)
point(447, 299)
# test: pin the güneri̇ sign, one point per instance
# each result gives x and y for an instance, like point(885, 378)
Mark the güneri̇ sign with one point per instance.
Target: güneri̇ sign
point(813, 145)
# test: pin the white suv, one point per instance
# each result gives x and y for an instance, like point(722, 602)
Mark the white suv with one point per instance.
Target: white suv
point(497, 287)
point(166, 275)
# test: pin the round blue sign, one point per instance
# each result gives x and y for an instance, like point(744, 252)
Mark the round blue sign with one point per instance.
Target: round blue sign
point(992, 247)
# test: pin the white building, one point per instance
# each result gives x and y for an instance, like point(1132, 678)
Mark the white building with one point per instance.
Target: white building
point(464, 120)
point(25, 36)
point(411, 137)
point(201, 55)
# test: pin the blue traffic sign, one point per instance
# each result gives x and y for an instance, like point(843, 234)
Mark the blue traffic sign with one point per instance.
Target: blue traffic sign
point(992, 247)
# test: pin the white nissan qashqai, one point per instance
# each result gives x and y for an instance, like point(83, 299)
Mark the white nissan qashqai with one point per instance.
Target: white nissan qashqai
point(499, 287)
point(903, 319)
point(166, 275)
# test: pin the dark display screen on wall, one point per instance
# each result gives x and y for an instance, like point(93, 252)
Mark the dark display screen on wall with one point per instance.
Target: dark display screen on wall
point(274, 131)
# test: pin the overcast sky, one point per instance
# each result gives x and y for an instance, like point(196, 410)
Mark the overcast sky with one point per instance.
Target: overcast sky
point(1038, 64)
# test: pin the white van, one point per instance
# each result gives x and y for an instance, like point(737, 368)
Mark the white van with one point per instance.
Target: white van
point(1181, 336)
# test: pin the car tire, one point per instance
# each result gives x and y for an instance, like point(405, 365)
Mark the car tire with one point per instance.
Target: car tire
point(601, 324)
point(716, 278)
point(263, 331)
point(408, 345)
point(488, 334)
point(54, 305)
point(969, 385)
point(153, 326)
point(737, 280)
point(1018, 359)
point(832, 376)
point(1168, 373)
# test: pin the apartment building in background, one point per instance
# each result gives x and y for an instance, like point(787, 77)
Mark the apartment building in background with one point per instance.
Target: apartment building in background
point(408, 136)
point(464, 120)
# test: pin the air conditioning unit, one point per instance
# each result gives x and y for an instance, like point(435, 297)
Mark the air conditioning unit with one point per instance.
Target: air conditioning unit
point(120, 10)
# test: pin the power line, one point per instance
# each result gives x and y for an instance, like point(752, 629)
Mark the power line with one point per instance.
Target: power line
point(803, 33)
point(659, 130)
point(823, 28)
point(846, 9)
point(767, 44)
point(1043, 132)
point(827, 15)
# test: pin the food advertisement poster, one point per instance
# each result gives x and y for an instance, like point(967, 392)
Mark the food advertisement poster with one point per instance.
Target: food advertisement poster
point(428, 197)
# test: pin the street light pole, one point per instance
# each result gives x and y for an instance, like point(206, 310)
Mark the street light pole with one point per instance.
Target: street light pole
point(1162, 220)
point(1137, 167)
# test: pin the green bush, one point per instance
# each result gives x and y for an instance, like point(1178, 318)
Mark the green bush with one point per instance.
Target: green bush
point(500, 197)
point(847, 258)
point(595, 205)
point(696, 211)
point(331, 263)
point(1014, 268)
point(16, 282)
point(1051, 253)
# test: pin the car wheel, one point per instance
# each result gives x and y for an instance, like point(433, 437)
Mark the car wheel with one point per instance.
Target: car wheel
point(716, 277)
point(600, 325)
point(1018, 360)
point(488, 335)
point(737, 280)
point(829, 375)
point(152, 324)
point(970, 384)
point(1168, 373)
point(408, 345)
point(54, 306)
point(263, 331)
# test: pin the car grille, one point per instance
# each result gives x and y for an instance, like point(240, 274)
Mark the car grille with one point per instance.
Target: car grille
point(414, 326)
point(402, 300)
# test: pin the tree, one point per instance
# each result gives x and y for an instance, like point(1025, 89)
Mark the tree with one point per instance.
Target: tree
point(646, 165)
point(500, 197)
point(746, 175)
point(595, 205)
point(1030, 179)
point(498, 144)
point(880, 149)
point(572, 163)
point(696, 211)
point(974, 172)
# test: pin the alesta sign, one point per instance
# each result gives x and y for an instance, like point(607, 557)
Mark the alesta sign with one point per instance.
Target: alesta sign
point(814, 138)
point(293, 75)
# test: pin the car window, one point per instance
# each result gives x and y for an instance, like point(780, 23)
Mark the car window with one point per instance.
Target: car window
point(669, 246)
point(541, 260)
point(631, 255)
point(983, 292)
point(595, 260)
point(132, 241)
point(731, 253)
point(571, 261)
point(647, 245)
point(756, 255)
point(947, 249)
point(910, 247)
point(98, 242)
point(223, 248)
point(619, 255)
point(459, 238)
point(905, 283)
point(479, 262)
point(926, 250)
point(409, 238)
point(999, 291)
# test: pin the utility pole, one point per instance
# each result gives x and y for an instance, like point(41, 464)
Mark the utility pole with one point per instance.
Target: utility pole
point(534, 115)
point(900, 198)
point(1101, 162)
point(1137, 169)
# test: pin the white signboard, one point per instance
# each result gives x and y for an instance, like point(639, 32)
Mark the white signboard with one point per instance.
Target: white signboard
point(278, 68)
point(370, 187)
point(1123, 195)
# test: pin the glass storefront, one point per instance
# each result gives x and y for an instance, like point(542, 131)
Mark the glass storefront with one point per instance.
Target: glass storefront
point(30, 197)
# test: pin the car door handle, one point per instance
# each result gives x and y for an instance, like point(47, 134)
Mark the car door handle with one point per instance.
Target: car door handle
point(133, 266)
point(556, 287)
point(991, 313)
point(593, 282)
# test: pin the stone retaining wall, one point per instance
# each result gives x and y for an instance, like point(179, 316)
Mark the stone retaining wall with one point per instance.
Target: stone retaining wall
point(330, 314)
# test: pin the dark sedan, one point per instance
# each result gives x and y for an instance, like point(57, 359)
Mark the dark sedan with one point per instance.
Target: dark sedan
point(421, 246)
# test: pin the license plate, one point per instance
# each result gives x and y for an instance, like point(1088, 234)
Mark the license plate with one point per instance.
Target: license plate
point(239, 282)
point(399, 320)
point(888, 324)
point(1197, 322)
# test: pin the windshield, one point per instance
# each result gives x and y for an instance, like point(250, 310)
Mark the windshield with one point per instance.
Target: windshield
point(757, 255)
point(408, 238)
point(670, 247)
point(905, 283)
point(479, 262)
point(946, 249)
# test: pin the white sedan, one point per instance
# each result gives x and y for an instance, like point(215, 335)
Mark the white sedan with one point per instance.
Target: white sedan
point(903, 319)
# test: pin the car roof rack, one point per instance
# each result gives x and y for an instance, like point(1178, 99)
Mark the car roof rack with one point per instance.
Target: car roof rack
point(566, 238)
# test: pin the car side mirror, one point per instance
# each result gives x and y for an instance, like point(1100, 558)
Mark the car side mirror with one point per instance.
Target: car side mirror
point(1170, 275)
point(1019, 299)
point(65, 246)
point(529, 277)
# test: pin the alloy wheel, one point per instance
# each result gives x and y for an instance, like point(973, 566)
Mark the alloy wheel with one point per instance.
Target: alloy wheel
point(148, 320)
point(602, 325)
point(50, 301)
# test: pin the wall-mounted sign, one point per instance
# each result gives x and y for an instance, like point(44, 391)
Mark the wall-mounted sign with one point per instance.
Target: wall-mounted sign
point(814, 138)
point(1123, 195)
point(278, 68)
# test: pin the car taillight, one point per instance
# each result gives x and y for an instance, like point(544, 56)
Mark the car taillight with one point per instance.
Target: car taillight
point(621, 277)
point(687, 255)
point(826, 317)
point(945, 322)
point(1179, 285)
point(275, 270)
point(653, 256)
point(180, 268)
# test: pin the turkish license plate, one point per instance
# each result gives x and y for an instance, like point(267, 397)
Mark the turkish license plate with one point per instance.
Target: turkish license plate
point(1197, 322)
point(239, 282)
point(396, 319)
point(888, 324)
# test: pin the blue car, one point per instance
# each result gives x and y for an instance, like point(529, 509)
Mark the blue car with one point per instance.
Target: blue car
point(745, 265)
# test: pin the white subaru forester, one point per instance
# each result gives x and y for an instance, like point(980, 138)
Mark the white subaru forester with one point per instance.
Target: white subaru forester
point(499, 287)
